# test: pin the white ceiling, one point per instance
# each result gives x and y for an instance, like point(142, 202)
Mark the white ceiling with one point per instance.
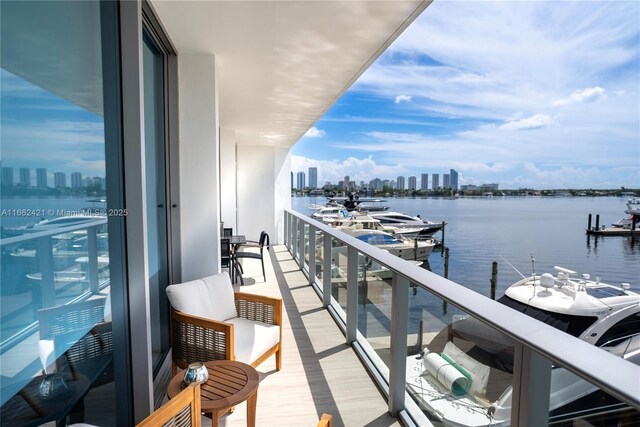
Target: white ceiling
point(282, 64)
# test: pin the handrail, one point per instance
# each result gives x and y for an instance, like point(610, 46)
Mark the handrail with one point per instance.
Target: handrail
point(53, 232)
point(620, 378)
point(95, 284)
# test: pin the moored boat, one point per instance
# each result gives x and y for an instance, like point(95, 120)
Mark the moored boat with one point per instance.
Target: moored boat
point(403, 220)
point(396, 245)
point(477, 389)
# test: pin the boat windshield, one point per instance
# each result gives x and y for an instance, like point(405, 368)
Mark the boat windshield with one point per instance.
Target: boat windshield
point(574, 325)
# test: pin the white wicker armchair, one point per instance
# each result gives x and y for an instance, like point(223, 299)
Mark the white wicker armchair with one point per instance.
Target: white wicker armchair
point(210, 322)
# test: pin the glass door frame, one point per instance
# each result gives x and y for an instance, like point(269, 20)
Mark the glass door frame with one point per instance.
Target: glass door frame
point(146, 387)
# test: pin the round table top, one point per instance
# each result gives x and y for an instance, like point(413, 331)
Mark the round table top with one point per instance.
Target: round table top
point(230, 383)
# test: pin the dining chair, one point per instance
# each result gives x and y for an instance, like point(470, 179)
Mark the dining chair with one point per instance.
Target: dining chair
point(264, 240)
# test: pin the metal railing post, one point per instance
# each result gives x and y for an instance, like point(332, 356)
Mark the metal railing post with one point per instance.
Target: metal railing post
point(531, 388)
point(286, 229)
point(301, 244)
point(292, 233)
point(47, 275)
point(312, 254)
point(399, 321)
point(326, 271)
point(294, 242)
point(352, 294)
point(92, 253)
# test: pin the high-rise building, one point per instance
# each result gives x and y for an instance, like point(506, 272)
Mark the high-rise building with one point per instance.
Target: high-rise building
point(393, 184)
point(376, 184)
point(400, 182)
point(424, 181)
point(313, 178)
point(435, 181)
point(7, 175)
point(301, 180)
point(76, 180)
point(454, 179)
point(292, 180)
point(41, 178)
point(446, 182)
point(412, 183)
point(25, 177)
point(99, 182)
point(59, 179)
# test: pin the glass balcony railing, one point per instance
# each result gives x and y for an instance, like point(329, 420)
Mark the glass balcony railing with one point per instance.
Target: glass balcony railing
point(55, 286)
point(445, 355)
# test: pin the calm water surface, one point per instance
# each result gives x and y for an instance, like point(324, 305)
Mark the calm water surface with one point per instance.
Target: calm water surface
point(512, 229)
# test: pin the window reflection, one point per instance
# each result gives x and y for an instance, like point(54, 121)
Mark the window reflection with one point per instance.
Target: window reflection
point(55, 321)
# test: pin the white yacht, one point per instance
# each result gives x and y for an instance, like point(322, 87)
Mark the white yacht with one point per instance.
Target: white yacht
point(330, 213)
point(633, 206)
point(403, 220)
point(367, 222)
point(476, 390)
point(396, 245)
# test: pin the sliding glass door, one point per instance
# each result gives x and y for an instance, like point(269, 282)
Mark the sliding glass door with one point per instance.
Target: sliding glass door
point(154, 77)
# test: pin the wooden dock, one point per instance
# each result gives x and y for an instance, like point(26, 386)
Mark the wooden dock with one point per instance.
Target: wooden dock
point(613, 231)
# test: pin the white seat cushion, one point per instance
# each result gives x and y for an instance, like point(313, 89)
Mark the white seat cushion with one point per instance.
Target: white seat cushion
point(210, 297)
point(252, 339)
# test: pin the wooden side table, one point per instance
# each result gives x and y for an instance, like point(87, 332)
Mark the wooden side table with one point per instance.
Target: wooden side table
point(230, 383)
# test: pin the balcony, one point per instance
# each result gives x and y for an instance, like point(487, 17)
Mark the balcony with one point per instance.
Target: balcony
point(347, 335)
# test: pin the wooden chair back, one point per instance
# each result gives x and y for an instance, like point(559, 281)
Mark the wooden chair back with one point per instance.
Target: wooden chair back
point(326, 420)
point(181, 411)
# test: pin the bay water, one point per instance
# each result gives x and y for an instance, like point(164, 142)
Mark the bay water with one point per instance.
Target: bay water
point(512, 230)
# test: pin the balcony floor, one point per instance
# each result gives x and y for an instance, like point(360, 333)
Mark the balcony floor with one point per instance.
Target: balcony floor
point(320, 373)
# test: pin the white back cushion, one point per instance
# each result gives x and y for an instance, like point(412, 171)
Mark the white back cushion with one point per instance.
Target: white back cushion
point(210, 297)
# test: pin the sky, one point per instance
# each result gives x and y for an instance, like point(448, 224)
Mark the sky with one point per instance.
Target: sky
point(41, 130)
point(523, 94)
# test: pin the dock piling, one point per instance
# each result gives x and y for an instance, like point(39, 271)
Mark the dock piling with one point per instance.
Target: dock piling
point(442, 242)
point(446, 275)
point(589, 223)
point(597, 221)
point(494, 279)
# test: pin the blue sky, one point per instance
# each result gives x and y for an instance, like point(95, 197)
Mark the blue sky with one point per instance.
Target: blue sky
point(525, 94)
point(39, 129)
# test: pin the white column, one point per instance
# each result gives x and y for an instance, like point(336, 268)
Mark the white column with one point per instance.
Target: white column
point(199, 160)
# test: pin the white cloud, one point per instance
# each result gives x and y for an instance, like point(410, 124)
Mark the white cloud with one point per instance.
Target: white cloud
point(314, 132)
point(589, 94)
point(534, 122)
point(403, 98)
point(502, 68)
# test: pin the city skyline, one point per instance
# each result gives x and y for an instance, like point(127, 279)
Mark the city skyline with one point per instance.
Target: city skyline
point(42, 178)
point(527, 95)
point(450, 181)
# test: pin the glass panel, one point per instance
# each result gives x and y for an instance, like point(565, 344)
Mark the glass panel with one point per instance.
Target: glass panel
point(459, 370)
point(574, 401)
point(55, 311)
point(157, 257)
point(374, 305)
point(339, 273)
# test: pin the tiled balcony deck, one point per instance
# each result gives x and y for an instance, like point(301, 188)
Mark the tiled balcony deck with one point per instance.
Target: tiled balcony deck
point(320, 373)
